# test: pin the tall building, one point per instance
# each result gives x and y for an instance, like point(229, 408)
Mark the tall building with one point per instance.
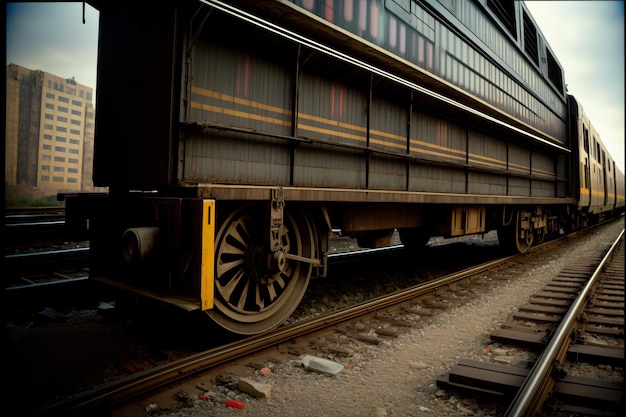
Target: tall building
point(49, 135)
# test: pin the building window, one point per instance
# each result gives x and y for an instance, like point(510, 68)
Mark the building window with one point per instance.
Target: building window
point(77, 113)
point(63, 109)
point(57, 179)
point(61, 119)
point(60, 139)
point(61, 129)
point(50, 106)
point(59, 149)
point(59, 169)
point(77, 103)
point(59, 159)
point(48, 116)
point(47, 147)
point(71, 180)
point(50, 95)
point(64, 99)
point(75, 122)
point(45, 157)
point(90, 115)
point(45, 167)
point(74, 151)
point(72, 170)
point(47, 136)
point(45, 178)
point(75, 141)
point(47, 126)
point(71, 160)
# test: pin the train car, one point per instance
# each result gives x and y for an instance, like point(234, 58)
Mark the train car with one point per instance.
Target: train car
point(600, 183)
point(235, 135)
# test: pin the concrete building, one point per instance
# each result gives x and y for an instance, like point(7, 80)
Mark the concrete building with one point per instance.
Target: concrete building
point(49, 135)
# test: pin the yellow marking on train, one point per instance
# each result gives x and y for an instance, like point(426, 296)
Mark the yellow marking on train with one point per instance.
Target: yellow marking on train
point(597, 193)
point(237, 100)
point(207, 265)
point(432, 145)
point(332, 132)
point(241, 114)
point(518, 167)
point(441, 154)
point(440, 151)
point(331, 122)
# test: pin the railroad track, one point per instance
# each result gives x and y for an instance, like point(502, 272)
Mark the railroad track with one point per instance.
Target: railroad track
point(576, 320)
point(376, 331)
point(335, 332)
point(36, 226)
point(32, 268)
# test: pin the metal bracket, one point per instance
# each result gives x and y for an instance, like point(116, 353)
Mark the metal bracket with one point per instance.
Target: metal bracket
point(276, 219)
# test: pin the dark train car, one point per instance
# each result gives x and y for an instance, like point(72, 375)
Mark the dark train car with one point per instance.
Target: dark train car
point(233, 136)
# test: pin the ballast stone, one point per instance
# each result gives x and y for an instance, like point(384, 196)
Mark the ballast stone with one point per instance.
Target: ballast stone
point(253, 388)
point(321, 365)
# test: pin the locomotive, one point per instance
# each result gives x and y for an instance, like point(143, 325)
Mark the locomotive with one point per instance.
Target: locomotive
point(234, 135)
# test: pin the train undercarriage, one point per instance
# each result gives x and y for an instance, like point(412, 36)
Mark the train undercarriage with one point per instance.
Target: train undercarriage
point(247, 264)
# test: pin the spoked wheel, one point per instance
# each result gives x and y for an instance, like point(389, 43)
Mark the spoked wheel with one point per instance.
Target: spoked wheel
point(255, 289)
point(512, 238)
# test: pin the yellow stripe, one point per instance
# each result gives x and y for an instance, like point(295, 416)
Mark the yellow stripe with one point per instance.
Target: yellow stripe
point(241, 114)
point(207, 266)
point(331, 132)
point(599, 193)
point(237, 100)
point(331, 122)
point(438, 150)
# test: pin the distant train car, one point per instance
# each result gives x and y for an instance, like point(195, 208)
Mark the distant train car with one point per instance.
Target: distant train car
point(599, 182)
point(234, 135)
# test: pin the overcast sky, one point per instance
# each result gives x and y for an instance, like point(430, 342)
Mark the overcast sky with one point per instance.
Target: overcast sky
point(587, 38)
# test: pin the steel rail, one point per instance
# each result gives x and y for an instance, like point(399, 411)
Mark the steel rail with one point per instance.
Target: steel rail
point(529, 398)
point(144, 382)
point(46, 254)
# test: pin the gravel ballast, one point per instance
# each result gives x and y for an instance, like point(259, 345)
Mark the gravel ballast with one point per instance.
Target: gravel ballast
point(398, 377)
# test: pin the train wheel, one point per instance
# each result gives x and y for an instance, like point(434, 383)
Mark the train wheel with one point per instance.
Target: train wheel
point(511, 236)
point(540, 235)
point(255, 289)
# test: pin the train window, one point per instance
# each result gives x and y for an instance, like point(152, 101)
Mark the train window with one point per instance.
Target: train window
point(586, 138)
point(505, 11)
point(554, 72)
point(530, 39)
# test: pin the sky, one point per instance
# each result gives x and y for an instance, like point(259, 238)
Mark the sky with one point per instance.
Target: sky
point(52, 37)
point(587, 38)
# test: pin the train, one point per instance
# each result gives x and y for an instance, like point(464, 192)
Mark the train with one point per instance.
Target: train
point(234, 136)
